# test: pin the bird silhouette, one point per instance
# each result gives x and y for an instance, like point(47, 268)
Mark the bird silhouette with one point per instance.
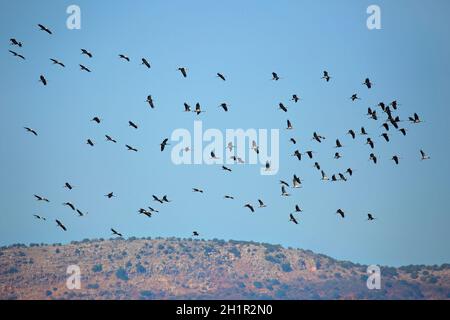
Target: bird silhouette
point(145, 63)
point(43, 28)
point(124, 57)
point(164, 144)
point(14, 42)
point(326, 76)
point(31, 131)
point(249, 206)
point(58, 62)
point(114, 232)
point(183, 71)
point(83, 68)
point(15, 54)
point(132, 124)
point(59, 224)
point(292, 218)
point(110, 195)
point(423, 155)
point(70, 205)
point(340, 212)
point(221, 76)
point(86, 53)
point(150, 101)
point(130, 148)
point(40, 198)
point(43, 80)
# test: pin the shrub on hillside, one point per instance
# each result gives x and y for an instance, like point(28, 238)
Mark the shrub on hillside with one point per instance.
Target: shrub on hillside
point(122, 274)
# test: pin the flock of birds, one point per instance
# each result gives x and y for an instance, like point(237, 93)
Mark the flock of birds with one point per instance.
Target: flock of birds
point(392, 122)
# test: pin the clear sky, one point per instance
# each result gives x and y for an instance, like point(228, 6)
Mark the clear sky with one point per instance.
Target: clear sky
point(408, 60)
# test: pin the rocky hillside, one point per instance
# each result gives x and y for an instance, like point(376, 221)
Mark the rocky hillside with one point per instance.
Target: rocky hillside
point(197, 269)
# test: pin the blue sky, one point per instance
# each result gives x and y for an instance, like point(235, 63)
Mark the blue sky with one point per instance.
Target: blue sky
point(245, 40)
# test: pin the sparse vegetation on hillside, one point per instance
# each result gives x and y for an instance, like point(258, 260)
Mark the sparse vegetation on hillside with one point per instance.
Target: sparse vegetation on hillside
point(197, 269)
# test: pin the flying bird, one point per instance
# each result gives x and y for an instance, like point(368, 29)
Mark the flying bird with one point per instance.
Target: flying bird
point(340, 212)
point(110, 195)
point(373, 158)
point(296, 182)
point(40, 198)
point(395, 159)
point(326, 76)
point(187, 108)
point(275, 76)
point(124, 57)
point(15, 54)
point(164, 144)
point(261, 204)
point(224, 106)
point(289, 125)
point(295, 98)
point(58, 62)
point(155, 198)
point(318, 137)
point(43, 80)
point(226, 169)
point(198, 109)
point(108, 138)
point(370, 217)
point(351, 133)
point(70, 205)
point(83, 68)
point(363, 131)
point(297, 208)
point(415, 118)
point(385, 136)
point(39, 217)
point(31, 131)
point(130, 148)
point(292, 218)
point(87, 53)
point(14, 42)
point(367, 83)
point(43, 28)
point(183, 71)
point(90, 142)
point(68, 186)
point(145, 63)
point(282, 107)
point(197, 190)
point(150, 101)
point(132, 124)
point(59, 224)
point(96, 119)
point(370, 143)
point(283, 192)
point(195, 234)
point(116, 233)
point(424, 156)
point(250, 207)
point(355, 97)
point(221, 76)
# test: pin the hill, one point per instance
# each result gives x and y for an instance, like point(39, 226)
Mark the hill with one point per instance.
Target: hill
point(198, 269)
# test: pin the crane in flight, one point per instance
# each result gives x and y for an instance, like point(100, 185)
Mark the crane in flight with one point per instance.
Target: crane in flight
point(44, 28)
point(59, 224)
